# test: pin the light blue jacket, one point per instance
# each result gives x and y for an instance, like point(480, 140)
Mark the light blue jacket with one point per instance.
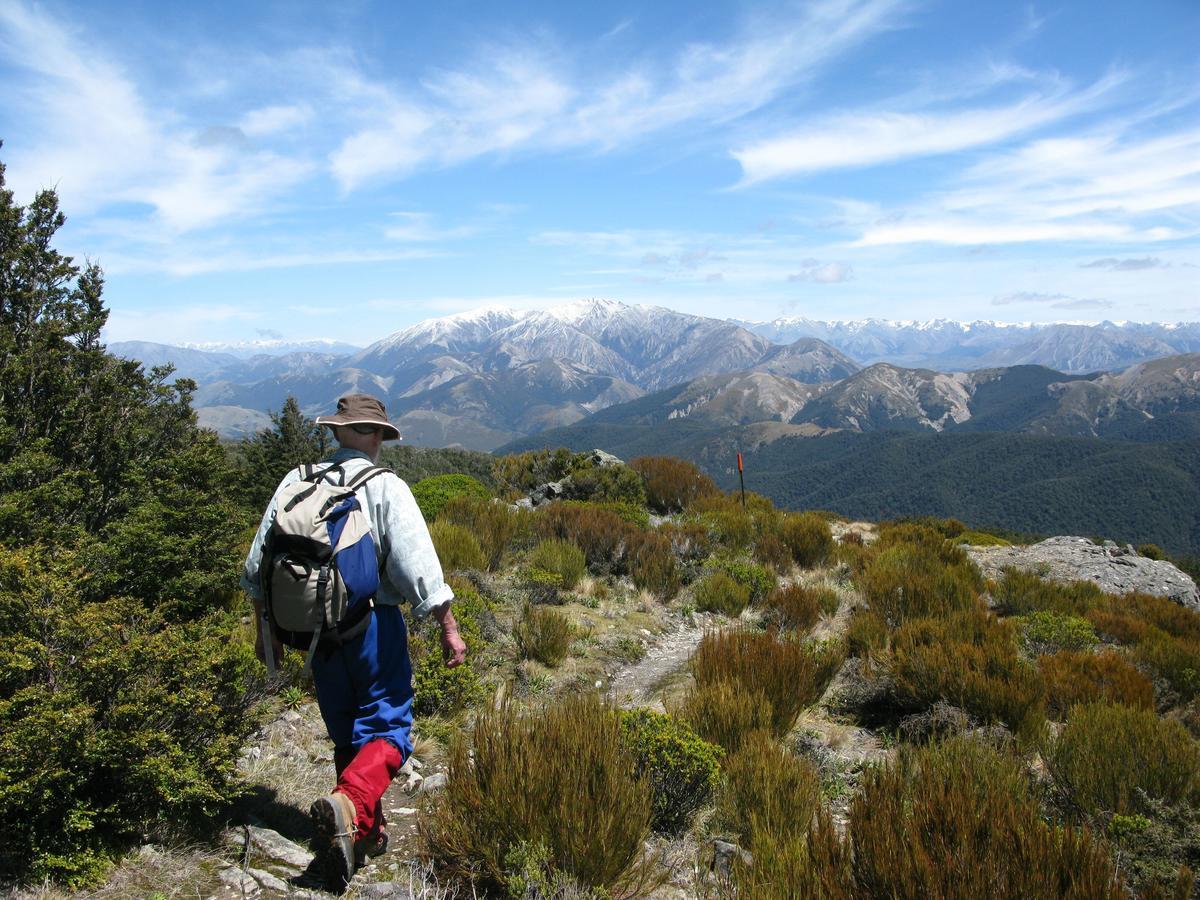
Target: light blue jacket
point(411, 572)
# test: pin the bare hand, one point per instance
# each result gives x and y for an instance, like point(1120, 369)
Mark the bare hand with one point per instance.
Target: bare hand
point(454, 649)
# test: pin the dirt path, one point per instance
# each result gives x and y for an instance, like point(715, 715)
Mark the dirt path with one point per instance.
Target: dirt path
point(638, 683)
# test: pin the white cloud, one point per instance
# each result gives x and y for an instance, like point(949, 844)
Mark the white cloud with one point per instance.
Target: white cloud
point(822, 273)
point(272, 120)
point(1054, 301)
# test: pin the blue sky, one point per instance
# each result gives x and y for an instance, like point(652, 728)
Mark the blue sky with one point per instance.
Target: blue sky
point(294, 170)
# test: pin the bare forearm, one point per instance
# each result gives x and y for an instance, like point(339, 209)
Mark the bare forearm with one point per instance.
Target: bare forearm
point(445, 618)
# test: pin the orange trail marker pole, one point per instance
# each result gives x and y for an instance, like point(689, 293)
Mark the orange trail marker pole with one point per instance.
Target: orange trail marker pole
point(742, 479)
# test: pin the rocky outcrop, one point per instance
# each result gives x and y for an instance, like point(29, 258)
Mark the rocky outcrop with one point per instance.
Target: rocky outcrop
point(1115, 568)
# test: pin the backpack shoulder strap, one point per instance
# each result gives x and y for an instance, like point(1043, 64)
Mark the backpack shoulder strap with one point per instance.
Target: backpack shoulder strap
point(366, 475)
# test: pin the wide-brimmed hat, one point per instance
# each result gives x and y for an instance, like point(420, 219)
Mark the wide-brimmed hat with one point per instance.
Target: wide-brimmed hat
point(361, 409)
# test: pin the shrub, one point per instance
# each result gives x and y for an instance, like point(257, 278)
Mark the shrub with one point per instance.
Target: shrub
point(866, 633)
point(772, 552)
point(970, 661)
point(560, 778)
point(436, 689)
point(980, 539)
point(724, 713)
point(1072, 677)
point(671, 484)
point(1175, 659)
point(544, 634)
point(433, 493)
point(720, 593)
point(631, 513)
point(690, 541)
point(768, 791)
point(797, 607)
point(959, 819)
point(789, 674)
point(1151, 551)
point(1108, 756)
point(1175, 620)
point(727, 522)
point(1019, 592)
point(682, 769)
point(543, 586)
point(758, 580)
point(494, 524)
point(1046, 632)
point(522, 472)
point(652, 564)
point(908, 580)
point(816, 864)
point(456, 547)
point(808, 538)
point(562, 558)
point(616, 484)
point(599, 533)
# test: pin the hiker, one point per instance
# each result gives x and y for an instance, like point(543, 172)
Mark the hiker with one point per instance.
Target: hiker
point(364, 683)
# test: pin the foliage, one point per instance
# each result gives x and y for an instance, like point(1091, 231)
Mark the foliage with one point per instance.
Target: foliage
point(1175, 659)
point(599, 533)
point(1073, 677)
point(457, 548)
point(495, 525)
point(960, 819)
point(720, 593)
point(560, 778)
point(981, 539)
point(724, 713)
point(606, 484)
point(866, 633)
point(682, 769)
point(772, 552)
point(651, 563)
point(1019, 593)
point(1045, 632)
point(768, 791)
point(970, 661)
point(1109, 756)
point(416, 463)
point(909, 580)
point(797, 607)
point(544, 634)
point(544, 586)
point(263, 459)
point(808, 537)
point(562, 558)
point(789, 674)
point(1151, 551)
point(671, 484)
point(438, 690)
point(520, 473)
point(433, 493)
point(758, 580)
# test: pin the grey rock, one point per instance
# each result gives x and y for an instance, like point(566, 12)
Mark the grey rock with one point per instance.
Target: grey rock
point(268, 882)
point(602, 458)
point(433, 783)
point(551, 490)
point(275, 846)
point(292, 717)
point(1115, 569)
point(385, 889)
point(724, 853)
point(238, 880)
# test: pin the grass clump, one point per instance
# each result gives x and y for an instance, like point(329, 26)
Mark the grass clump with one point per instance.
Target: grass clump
point(1046, 632)
point(562, 558)
point(652, 564)
point(789, 674)
point(720, 593)
point(959, 819)
point(758, 580)
point(768, 791)
point(1112, 758)
point(866, 634)
point(456, 547)
point(543, 633)
point(561, 778)
point(599, 533)
point(807, 536)
point(1073, 677)
point(495, 525)
point(912, 580)
point(433, 493)
point(724, 713)
point(681, 768)
point(970, 661)
point(671, 484)
point(797, 607)
point(1019, 593)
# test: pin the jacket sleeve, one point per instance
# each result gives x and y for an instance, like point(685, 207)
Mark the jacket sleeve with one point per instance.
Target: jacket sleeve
point(251, 576)
point(412, 564)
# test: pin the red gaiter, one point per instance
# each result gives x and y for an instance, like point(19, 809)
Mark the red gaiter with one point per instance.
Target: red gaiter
point(364, 776)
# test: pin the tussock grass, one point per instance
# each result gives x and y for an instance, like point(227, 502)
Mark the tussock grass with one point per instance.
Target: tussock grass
point(767, 791)
point(797, 607)
point(560, 778)
point(724, 713)
point(456, 547)
point(1073, 677)
point(544, 634)
point(720, 593)
point(562, 558)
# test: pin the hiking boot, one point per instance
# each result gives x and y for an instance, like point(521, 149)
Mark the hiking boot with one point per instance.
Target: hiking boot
point(333, 839)
point(374, 844)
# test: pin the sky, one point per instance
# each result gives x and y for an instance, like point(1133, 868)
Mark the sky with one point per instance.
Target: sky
point(298, 170)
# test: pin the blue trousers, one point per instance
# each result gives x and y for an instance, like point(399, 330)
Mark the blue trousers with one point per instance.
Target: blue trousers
point(364, 688)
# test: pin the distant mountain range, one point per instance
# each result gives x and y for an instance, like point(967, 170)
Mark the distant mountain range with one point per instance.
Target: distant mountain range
point(491, 376)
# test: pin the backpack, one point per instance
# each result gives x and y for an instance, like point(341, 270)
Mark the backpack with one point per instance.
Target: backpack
point(319, 569)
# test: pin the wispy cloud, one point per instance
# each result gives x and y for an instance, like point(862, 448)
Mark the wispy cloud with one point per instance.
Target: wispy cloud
point(1132, 264)
point(822, 273)
point(1054, 301)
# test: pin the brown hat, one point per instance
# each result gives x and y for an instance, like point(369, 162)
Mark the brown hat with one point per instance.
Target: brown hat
point(361, 409)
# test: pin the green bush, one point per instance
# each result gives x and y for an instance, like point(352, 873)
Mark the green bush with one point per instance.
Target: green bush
point(560, 778)
point(759, 580)
point(1175, 659)
point(1072, 677)
point(652, 564)
point(1046, 632)
point(544, 586)
point(494, 524)
point(720, 593)
point(456, 547)
point(789, 674)
point(773, 552)
point(682, 769)
point(438, 690)
point(1108, 757)
point(544, 634)
point(561, 557)
point(910, 580)
point(808, 537)
point(671, 484)
point(768, 791)
point(970, 661)
point(1151, 551)
point(612, 484)
point(724, 713)
point(432, 494)
point(797, 607)
point(960, 819)
point(599, 533)
point(866, 633)
point(1019, 593)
